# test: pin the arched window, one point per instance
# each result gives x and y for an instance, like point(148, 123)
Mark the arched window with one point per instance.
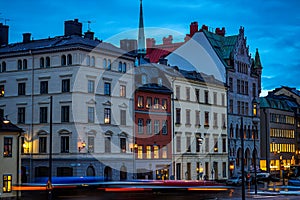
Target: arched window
point(104, 63)
point(3, 67)
point(19, 64)
point(109, 64)
point(93, 61)
point(120, 66)
point(69, 59)
point(124, 68)
point(47, 62)
point(237, 134)
point(88, 60)
point(63, 60)
point(42, 62)
point(24, 64)
point(90, 171)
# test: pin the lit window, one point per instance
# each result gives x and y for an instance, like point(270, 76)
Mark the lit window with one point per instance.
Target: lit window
point(7, 183)
point(155, 151)
point(148, 152)
point(148, 102)
point(165, 152)
point(123, 145)
point(140, 102)
point(164, 104)
point(156, 103)
point(2, 91)
point(107, 115)
point(7, 148)
point(140, 152)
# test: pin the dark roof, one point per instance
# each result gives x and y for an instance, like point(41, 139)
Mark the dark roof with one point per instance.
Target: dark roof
point(59, 42)
point(9, 127)
point(153, 87)
point(280, 102)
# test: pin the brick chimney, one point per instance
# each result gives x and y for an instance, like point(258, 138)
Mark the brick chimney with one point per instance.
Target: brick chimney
point(3, 34)
point(73, 27)
point(168, 40)
point(150, 42)
point(220, 31)
point(26, 37)
point(193, 28)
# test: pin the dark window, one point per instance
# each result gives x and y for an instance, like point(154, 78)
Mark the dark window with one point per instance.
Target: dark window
point(21, 115)
point(238, 86)
point(42, 62)
point(197, 93)
point(107, 145)
point(123, 145)
point(178, 143)
point(140, 125)
point(109, 64)
point(7, 150)
point(206, 119)
point(164, 127)
point(64, 171)
point(124, 68)
point(65, 85)
point(43, 114)
point(43, 144)
point(91, 86)
point(21, 88)
point(47, 62)
point(41, 171)
point(91, 142)
point(188, 144)
point(107, 116)
point(230, 85)
point(120, 66)
point(178, 111)
point(24, 64)
point(107, 89)
point(64, 144)
point(65, 114)
point(69, 59)
point(188, 117)
point(254, 89)
point(91, 115)
point(206, 96)
point(44, 87)
point(123, 117)
point(63, 60)
point(224, 145)
point(19, 64)
point(3, 69)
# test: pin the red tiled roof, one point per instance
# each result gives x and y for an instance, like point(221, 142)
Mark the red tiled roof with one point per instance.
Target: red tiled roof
point(160, 51)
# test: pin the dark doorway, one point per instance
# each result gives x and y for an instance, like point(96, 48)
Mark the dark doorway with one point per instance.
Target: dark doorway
point(107, 173)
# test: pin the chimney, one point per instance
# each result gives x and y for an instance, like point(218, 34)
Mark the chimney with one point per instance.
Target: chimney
point(193, 28)
point(73, 27)
point(89, 35)
point(26, 37)
point(220, 31)
point(168, 40)
point(204, 27)
point(150, 42)
point(129, 45)
point(3, 34)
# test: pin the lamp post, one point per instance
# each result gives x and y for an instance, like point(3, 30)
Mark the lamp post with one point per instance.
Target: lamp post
point(200, 170)
point(49, 183)
point(255, 121)
point(243, 161)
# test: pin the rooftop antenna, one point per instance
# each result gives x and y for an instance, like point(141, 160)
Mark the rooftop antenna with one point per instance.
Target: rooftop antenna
point(4, 19)
point(89, 24)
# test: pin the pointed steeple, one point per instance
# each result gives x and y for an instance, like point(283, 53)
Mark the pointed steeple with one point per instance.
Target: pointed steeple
point(257, 63)
point(141, 36)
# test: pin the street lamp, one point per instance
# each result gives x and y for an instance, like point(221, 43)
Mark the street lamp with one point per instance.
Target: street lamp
point(200, 168)
point(255, 122)
point(49, 183)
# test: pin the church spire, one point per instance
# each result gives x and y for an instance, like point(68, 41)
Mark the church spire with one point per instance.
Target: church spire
point(257, 60)
point(141, 36)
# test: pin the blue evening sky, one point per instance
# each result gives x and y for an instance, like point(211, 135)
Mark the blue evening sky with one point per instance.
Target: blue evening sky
point(272, 26)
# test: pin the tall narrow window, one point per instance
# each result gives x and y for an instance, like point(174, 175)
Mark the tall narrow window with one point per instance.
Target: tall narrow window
point(254, 90)
point(107, 116)
point(123, 145)
point(124, 68)
point(42, 62)
point(64, 144)
point(63, 60)
point(43, 114)
point(21, 115)
point(91, 86)
point(7, 148)
point(188, 117)
point(148, 102)
point(215, 98)
point(104, 63)
point(207, 144)
point(69, 59)
point(223, 120)
point(188, 144)
point(47, 62)
point(215, 120)
point(216, 145)
point(91, 114)
point(164, 104)
point(223, 99)
point(91, 144)
point(65, 113)
point(197, 118)
point(156, 103)
point(164, 127)
point(122, 91)
point(140, 152)
point(140, 126)
point(140, 103)
point(123, 117)
point(156, 127)
point(164, 152)
point(88, 60)
point(7, 183)
point(19, 64)
point(65, 85)
point(177, 92)
point(206, 120)
point(224, 145)
point(231, 106)
point(238, 86)
point(42, 144)
point(93, 63)
point(178, 112)
point(155, 151)
point(24, 64)
point(178, 143)
point(44, 87)
point(120, 66)
point(206, 97)
point(188, 93)
point(149, 126)
point(2, 91)
point(148, 152)
point(230, 85)
point(107, 145)
point(107, 89)
point(108, 64)
point(3, 68)
point(197, 94)
point(21, 88)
